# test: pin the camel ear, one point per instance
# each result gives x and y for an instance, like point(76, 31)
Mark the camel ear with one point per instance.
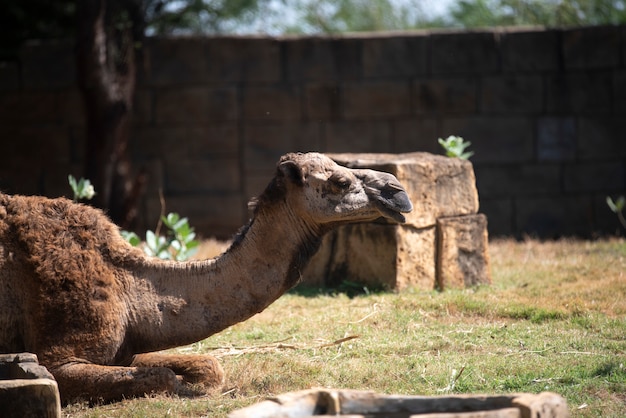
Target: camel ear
point(292, 171)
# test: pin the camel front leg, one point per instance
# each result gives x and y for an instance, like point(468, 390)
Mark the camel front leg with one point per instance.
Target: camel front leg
point(193, 368)
point(96, 383)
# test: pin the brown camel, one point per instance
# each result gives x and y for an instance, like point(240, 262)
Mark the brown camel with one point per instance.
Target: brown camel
point(95, 310)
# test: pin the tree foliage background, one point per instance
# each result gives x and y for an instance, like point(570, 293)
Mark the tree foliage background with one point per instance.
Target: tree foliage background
point(108, 35)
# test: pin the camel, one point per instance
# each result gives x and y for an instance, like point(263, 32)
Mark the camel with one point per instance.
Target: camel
point(98, 312)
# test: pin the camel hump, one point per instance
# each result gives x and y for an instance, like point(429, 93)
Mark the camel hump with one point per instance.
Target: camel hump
point(59, 234)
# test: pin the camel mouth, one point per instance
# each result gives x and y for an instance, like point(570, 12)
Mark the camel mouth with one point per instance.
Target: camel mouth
point(392, 201)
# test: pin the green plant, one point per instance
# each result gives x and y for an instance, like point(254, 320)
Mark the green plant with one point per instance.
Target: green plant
point(455, 147)
point(617, 206)
point(178, 244)
point(83, 189)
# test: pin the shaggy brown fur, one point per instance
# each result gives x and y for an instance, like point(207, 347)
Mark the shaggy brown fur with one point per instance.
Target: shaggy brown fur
point(95, 310)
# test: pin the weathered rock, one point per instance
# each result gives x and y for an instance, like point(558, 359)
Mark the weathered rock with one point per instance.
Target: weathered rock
point(26, 388)
point(359, 404)
point(462, 251)
point(399, 256)
point(377, 255)
point(438, 186)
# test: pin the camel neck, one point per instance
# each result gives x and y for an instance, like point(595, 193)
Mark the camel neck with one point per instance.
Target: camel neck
point(194, 300)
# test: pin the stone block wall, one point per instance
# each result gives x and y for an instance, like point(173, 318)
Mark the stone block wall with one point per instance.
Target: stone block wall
point(544, 110)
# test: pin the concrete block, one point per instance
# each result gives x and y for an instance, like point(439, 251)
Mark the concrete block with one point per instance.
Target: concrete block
point(175, 61)
point(415, 134)
point(323, 59)
point(588, 92)
point(239, 59)
point(393, 257)
point(494, 140)
point(603, 176)
point(395, 56)
point(195, 106)
point(591, 47)
point(518, 180)
point(601, 138)
point(499, 211)
point(321, 101)
point(357, 136)
point(556, 139)
point(437, 185)
point(463, 52)
point(512, 94)
point(462, 252)
point(530, 50)
point(48, 65)
point(552, 217)
point(451, 95)
point(272, 103)
point(27, 390)
point(376, 100)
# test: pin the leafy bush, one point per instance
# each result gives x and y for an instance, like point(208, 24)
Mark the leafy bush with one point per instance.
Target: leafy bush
point(83, 189)
point(178, 244)
point(455, 147)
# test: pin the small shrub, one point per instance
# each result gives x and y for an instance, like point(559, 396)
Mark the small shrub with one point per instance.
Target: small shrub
point(455, 147)
point(178, 244)
point(83, 189)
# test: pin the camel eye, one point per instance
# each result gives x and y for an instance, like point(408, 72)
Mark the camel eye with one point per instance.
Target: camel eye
point(341, 183)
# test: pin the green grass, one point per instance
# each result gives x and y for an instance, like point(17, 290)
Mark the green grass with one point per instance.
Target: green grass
point(554, 319)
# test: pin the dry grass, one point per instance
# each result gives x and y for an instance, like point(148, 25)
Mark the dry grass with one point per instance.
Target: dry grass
point(554, 319)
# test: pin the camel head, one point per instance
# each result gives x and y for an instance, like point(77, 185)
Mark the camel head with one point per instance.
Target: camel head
point(325, 193)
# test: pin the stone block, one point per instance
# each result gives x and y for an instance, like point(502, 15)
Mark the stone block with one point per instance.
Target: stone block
point(518, 180)
point(530, 51)
point(216, 175)
point(321, 101)
point(601, 138)
point(551, 217)
point(591, 47)
point(48, 65)
point(264, 143)
point(494, 140)
point(195, 106)
point(323, 59)
point(452, 95)
point(395, 56)
point(556, 139)
point(361, 404)
point(358, 136)
point(462, 252)
point(603, 176)
point(175, 61)
point(512, 94)
point(27, 390)
point(464, 52)
point(500, 214)
point(438, 186)
point(241, 59)
point(393, 257)
point(588, 92)
point(376, 100)
point(415, 134)
point(272, 103)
